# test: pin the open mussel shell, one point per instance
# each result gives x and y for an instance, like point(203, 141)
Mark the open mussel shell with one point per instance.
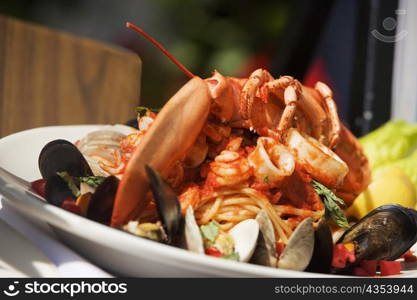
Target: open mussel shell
point(167, 204)
point(383, 234)
point(321, 259)
point(265, 253)
point(299, 250)
point(101, 205)
point(61, 155)
point(56, 190)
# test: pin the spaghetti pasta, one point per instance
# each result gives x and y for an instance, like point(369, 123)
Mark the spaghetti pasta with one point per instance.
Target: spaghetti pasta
point(231, 206)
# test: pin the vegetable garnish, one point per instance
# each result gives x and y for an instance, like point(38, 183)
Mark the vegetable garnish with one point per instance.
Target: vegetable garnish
point(39, 187)
point(233, 256)
point(70, 182)
point(213, 251)
point(210, 231)
point(143, 111)
point(93, 181)
point(388, 268)
point(331, 202)
point(266, 179)
point(343, 254)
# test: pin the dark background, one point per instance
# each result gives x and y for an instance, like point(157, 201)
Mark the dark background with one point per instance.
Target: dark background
point(326, 40)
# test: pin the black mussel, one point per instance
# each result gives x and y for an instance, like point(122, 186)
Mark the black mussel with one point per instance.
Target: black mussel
point(101, 204)
point(383, 234)
point(56, 191)
point(323, 250)
point(167, 203)
point(61, 155)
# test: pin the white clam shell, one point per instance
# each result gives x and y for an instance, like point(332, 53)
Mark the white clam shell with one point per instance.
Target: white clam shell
point(265, 252)
point(193, 239)
point(98, 146)
point(299, 250)
point(245, 235)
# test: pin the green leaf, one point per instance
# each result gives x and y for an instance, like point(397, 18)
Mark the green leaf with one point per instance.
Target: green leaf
point(266, 179)
point(70, 182)
point(93, 181)
point(392, 141)
point(143, 111)
point(232, 256)
point(331, 202)
point(210, 231)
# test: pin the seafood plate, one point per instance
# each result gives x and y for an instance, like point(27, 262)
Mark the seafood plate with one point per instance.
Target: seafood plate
point(250, 176)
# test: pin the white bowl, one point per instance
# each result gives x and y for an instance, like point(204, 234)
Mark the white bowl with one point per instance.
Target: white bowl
point(118, 252)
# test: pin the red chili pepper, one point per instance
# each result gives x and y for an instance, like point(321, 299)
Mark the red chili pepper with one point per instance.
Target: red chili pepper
point(342, 254)
point(70, 205)
point(389, 267)
point(213, 251)
point(38, 187)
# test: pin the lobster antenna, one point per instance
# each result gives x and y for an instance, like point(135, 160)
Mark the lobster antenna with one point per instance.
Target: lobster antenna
point(160, 47)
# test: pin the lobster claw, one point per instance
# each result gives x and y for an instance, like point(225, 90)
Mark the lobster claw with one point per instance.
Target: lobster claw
point(184, 115)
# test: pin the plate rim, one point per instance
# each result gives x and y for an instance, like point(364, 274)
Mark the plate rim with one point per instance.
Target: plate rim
point(59, 217)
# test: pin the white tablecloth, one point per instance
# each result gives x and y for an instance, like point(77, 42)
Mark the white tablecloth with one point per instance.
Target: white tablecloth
point(68, 263)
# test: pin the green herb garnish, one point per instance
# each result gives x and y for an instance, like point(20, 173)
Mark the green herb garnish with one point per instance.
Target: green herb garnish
point(70, 182)
point(143, 111)
point(232, 256)
point(331, 202)
point(266, 179)
point(210, 231)
point(93, 181)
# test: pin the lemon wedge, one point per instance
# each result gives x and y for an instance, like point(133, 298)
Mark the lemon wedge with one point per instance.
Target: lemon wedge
point(389, 186)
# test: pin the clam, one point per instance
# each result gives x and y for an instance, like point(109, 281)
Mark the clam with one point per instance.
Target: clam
point(241, 239)
point(193, 239)
point(383, 234)
point(265, 253)
point(299, 250)
point(245, 235)
point(99, 147)
point(99, 139)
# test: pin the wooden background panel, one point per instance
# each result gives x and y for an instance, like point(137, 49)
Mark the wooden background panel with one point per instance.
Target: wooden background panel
point(53, 78)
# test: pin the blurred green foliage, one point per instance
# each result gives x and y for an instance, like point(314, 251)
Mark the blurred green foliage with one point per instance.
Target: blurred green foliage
point(211, 34)
point(233, 37)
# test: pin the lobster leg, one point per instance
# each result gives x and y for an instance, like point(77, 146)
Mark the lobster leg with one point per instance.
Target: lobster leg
point(289, 89)
point(291, 98)
point(249, 90)
point(335, 128)
point(172, 134)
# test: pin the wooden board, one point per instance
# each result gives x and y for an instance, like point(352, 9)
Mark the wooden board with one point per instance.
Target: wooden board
point(52, 78)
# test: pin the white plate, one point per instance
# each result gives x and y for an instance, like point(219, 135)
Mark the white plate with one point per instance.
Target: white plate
point(112, 249)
